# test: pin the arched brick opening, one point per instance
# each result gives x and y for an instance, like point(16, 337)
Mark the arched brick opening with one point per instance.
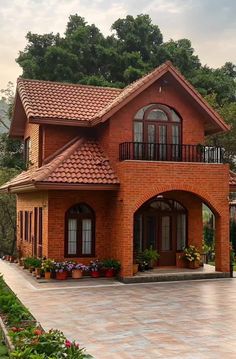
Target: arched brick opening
point(197, 197)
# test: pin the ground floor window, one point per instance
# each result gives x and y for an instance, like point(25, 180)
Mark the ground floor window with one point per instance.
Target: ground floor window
point(80, 236)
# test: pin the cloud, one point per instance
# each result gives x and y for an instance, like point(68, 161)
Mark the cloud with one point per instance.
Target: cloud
point(209, 24)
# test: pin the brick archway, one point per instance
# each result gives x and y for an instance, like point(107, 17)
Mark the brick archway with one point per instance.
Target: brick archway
point(218, 205)
point(202, 194)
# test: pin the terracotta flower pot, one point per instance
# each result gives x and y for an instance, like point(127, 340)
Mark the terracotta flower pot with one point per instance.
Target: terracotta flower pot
point(194, 264)
point(47, 275)
point(61, 275)
point(110, 272)
point(135, 268)
point(77, 273)
point(95, 274)
point(38, 272)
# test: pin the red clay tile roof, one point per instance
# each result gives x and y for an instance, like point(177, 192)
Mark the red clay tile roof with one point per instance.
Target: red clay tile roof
point(82, 162)
point(45, 99)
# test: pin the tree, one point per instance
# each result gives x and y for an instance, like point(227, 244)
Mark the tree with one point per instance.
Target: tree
point(225, 140)
point(11, 163)
point(10, 149)
point(7, 215)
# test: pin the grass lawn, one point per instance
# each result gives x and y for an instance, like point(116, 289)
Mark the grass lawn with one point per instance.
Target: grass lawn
point(3, 349)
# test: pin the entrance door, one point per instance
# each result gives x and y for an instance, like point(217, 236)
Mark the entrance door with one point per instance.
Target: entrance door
point(166, 245)
point(162, 224)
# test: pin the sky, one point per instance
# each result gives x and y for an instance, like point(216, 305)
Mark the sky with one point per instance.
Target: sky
point(209, 24)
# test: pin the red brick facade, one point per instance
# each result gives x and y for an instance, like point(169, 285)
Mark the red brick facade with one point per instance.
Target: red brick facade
point(189, 183)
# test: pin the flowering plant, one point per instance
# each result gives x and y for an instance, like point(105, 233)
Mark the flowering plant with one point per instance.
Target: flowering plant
point(47, 265)
point(70, 265)
point(61, 267)
point(95, 265)
point(80, 266)
point(191, 254)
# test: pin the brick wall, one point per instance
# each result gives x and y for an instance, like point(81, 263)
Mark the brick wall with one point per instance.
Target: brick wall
point(27, 202)
point(121, 124)
point(60, 202)
point(32, 131)
point(54, 137)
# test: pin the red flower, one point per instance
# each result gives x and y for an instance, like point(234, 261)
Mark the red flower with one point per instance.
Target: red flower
point(37, 332)
point(67, 343)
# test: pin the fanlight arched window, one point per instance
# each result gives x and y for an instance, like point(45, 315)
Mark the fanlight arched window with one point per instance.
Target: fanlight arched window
point(80, 236)
point(157, 131)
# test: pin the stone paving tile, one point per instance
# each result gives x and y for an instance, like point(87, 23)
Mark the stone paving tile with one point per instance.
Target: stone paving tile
point(179, 320)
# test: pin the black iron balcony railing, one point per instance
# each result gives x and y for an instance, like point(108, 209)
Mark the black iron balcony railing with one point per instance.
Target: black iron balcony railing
point(170, 152)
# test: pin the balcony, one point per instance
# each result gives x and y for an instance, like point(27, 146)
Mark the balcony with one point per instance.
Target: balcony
point(170, 152)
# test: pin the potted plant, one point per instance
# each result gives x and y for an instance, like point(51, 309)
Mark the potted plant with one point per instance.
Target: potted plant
point(47, 268)
point(135, 266)
point(61, 270)
point(192, 255)
point(77, 270)
point(142, 263)
point(37, 264)
point(111, 266)
point(95, 267)
point(151, 256)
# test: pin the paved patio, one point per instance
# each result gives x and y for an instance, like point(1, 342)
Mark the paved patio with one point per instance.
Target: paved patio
point(185, 320)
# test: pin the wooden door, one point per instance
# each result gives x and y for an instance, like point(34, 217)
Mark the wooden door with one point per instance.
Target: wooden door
point(166, 241)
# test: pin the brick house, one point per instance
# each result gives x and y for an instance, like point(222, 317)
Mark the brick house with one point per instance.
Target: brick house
point(112, 171)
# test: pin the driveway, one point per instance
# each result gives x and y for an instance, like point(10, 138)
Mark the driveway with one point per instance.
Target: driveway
point(185, 320)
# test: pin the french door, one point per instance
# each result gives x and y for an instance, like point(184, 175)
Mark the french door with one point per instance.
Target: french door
point(158, 233)
point(157, 134)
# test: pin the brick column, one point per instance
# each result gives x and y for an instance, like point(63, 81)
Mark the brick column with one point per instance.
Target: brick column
point(222, 243)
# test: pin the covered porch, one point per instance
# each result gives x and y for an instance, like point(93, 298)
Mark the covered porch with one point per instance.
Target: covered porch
point(168, 223)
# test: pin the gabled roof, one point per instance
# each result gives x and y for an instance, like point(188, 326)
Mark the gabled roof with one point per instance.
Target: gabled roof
point(81, 105)
point(135, 88)
point(45, 99)
point(82, 164)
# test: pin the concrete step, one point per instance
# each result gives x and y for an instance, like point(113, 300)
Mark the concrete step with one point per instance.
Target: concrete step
point(170, 277)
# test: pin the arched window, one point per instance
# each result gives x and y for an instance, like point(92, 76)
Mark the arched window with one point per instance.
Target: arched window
point(80, 236)
point(157, 132)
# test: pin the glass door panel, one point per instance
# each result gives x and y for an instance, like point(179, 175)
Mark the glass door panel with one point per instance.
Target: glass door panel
point(175, 143)
point(138, 233)
point(181, 231)
point(151, 134)
point(165, 234)
point(72, 236)
point(151, 231)
point(86, 236)
point(138, 138)
point(162, 142)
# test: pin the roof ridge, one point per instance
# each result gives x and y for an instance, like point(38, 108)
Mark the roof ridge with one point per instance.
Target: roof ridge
point(47, 169)
point(129, 90)
point(21, 79)
point(156, 69)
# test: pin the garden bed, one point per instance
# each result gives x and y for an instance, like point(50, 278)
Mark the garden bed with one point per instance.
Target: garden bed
point(3, 347)
point(25, 338)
